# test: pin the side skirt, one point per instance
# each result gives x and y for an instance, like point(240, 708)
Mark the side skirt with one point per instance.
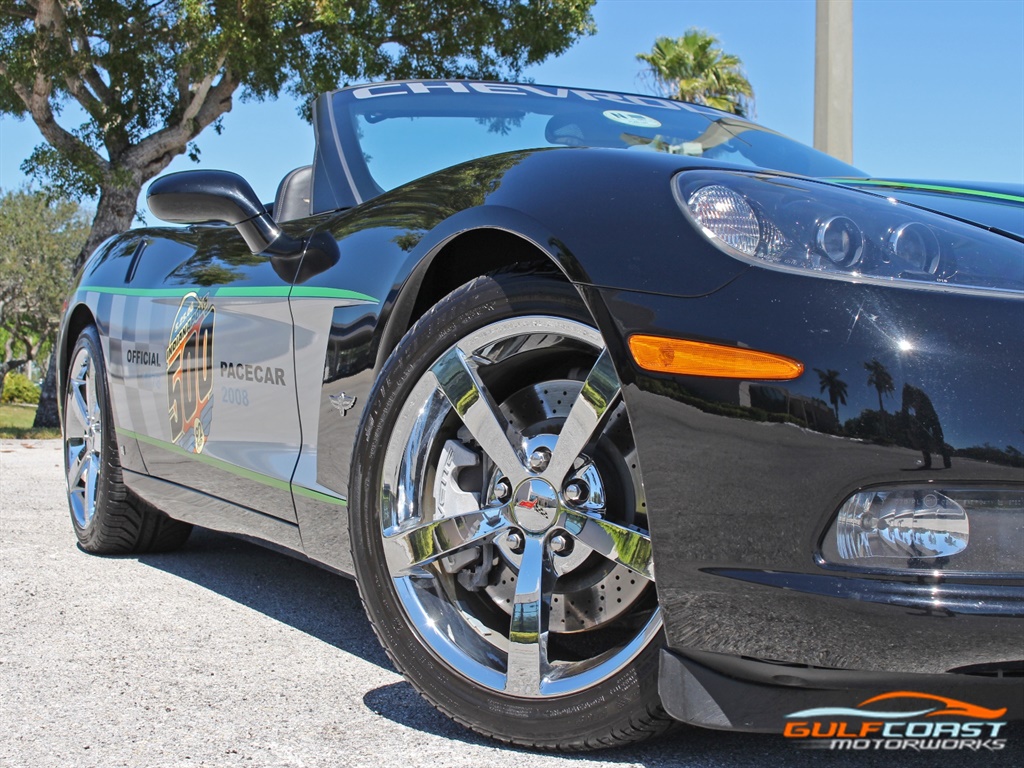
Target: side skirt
point(208, 511)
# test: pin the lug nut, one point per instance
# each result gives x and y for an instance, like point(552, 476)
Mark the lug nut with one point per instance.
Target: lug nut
point(503, 490)
point(514, 540)
point(576, 492)
point(540, 459)
point(560, 545)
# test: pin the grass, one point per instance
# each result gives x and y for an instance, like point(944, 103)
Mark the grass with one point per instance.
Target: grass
point(16, 424)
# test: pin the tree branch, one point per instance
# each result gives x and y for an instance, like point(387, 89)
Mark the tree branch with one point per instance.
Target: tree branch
point(89, 73)
point(85, 97)
point(73, 80)
point(22, 13)
point(92, 77)
point(200, 94)
point(37, 99)
point(37, 102)
point(155, 152)
point(11, 365)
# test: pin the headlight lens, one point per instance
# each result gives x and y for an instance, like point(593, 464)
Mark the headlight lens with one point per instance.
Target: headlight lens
point(818, 228)
point(725, 213)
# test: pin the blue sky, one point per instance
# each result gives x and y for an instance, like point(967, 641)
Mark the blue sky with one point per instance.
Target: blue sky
point(938, 85)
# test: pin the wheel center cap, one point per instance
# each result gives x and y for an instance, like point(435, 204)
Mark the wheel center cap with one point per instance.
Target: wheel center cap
point(536, 505)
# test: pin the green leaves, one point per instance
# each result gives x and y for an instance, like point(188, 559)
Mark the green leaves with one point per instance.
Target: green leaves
point(691, 68)
point(151, 75)
point(38, 243)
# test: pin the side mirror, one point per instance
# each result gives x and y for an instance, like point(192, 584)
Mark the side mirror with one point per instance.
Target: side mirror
point(197, 197)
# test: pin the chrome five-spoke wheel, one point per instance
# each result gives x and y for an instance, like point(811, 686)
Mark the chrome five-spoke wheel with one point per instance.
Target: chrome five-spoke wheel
point(83, 436)
point(510, 519)
point(505, 549)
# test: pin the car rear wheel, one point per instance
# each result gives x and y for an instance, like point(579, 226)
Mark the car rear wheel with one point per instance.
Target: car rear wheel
point(499, 525)
point(107, 519)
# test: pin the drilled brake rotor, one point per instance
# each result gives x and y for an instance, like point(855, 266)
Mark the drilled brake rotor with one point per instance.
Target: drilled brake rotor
point(577, 604)
point(590, 590)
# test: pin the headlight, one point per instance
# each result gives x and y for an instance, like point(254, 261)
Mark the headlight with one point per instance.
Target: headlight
point(821, 229)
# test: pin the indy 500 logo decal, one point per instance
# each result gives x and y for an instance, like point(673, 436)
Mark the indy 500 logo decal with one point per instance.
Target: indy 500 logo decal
point(190, 373)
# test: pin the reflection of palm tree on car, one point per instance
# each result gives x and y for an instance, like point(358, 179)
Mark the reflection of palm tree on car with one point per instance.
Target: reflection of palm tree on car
point(879, 378)
point(830, 382)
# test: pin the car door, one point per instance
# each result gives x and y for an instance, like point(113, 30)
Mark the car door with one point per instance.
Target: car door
point(207, 373)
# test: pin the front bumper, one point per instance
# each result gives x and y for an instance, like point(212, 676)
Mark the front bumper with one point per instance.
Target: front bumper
point(730, 693)
point(743, 478)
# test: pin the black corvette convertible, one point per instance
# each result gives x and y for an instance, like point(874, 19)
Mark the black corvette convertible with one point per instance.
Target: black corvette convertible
point(621, 410)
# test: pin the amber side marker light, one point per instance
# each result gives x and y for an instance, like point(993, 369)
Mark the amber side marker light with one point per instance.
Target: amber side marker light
point(699, 358)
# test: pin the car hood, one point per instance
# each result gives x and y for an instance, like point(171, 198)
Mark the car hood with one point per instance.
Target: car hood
point(994, 206)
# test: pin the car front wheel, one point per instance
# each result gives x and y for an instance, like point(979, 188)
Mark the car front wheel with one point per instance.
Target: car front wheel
point(499, 524)
point(106, 517)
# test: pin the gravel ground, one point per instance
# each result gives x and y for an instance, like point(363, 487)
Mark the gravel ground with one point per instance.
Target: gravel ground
point(228, 654)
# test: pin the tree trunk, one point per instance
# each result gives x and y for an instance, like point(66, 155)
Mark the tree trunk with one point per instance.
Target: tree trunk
point(46, 413)
point(114, 214)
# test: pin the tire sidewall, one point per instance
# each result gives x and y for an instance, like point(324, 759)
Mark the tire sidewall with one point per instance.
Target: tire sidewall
point(576, 718)
point(89, 536)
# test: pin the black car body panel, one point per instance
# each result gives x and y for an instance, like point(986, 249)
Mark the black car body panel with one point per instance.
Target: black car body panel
point(752, 494)
point(743, 478)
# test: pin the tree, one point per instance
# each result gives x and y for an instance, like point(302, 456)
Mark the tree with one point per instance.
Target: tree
point(38, 243)
point(151, 75)
point(830, 382)
point(691, 68)
point(880, 378)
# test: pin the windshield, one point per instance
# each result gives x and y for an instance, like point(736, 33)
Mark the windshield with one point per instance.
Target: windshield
point(408, 130)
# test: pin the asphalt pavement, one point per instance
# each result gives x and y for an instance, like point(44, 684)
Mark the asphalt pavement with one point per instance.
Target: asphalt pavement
point(228, 654)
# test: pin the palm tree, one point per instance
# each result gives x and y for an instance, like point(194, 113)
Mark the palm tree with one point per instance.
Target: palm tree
point(691, 68)
point(879, 378)
point(836, 387)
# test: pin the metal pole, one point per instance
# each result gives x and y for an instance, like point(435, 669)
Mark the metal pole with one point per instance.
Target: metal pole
point(833, 78)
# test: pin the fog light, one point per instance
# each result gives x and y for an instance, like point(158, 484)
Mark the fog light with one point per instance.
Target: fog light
point(901, 525)
point(928, 528)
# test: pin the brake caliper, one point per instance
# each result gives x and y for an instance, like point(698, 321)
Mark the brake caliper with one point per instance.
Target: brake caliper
point(456, 492)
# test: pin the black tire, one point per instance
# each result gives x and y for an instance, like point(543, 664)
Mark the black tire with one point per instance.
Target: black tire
point(107, 518)
point(621, 708)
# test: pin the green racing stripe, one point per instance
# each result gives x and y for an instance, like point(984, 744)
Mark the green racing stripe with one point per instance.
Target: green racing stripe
point(233, 469)
point(283, 291)
point(928, 188)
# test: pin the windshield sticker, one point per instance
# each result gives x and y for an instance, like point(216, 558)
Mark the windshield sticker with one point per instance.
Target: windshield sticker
point(427, 88)
point(631, 118)
point(190, 373)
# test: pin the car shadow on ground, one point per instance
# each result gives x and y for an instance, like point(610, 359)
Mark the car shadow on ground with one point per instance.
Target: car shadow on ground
point(685, 746)
point(682, 747)
point(313, 600)
point(326, 605)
